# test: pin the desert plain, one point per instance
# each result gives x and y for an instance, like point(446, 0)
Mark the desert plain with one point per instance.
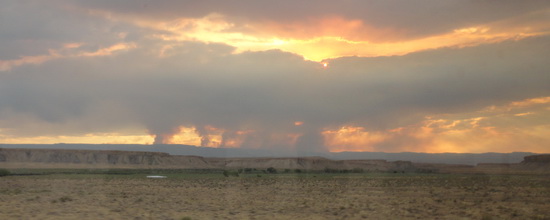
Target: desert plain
point(84, 184)
point(188, 194)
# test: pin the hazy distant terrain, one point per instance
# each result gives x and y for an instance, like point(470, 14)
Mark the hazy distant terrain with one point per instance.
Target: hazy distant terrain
point(446, 158)
point(61, 158)
point(66, 158)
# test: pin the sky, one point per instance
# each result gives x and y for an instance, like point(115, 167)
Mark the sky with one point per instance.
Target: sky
point(354, 75)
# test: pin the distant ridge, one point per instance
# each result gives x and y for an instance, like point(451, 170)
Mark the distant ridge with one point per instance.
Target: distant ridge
point(64, 158)
point(13, 158)
point(442, 158)
point(61, 158)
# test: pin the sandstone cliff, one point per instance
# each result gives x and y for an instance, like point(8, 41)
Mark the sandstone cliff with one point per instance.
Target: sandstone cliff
point(55, 158)
point(536, 163)
point(83, 158)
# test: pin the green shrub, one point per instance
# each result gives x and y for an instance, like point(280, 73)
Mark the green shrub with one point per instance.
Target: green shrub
point(357, 170)
point(329, 170)
point(228, 173)
point(271, 170)
point(4, 172)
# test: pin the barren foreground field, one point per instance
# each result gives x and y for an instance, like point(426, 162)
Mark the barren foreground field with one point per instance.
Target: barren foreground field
point(275, 196)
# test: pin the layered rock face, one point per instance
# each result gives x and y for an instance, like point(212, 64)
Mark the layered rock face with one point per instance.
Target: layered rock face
point(104, 158)
point(539, 163)
point(130, 159)
point(542, 159)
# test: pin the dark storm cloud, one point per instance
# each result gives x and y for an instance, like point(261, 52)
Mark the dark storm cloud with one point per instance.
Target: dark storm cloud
point(205, 84)
point(200, 85)
point(30, 28)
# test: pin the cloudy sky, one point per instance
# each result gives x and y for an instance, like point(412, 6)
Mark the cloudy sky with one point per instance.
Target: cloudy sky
point(351, 75)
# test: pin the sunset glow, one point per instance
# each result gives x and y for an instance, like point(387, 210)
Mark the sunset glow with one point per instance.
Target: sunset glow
point(358, 76)
point(84, 139)
point(451, 133)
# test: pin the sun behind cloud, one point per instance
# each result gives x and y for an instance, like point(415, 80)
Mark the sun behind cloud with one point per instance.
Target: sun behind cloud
point(354, 76)
point(325, 37)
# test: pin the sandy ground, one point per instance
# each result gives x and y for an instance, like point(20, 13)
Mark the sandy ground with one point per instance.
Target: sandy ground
point(275, 197)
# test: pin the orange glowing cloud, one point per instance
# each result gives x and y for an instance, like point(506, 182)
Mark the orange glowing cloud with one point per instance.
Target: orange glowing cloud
point(519, 105)
point(68, 50)
point(92, 138)
point(323, 38)
point(9, 64)
point(215, 137)
point(352, 138)
point(330, 26)
point(191, 136)
point(530, 102)
point(187, 136)
point(108, 50)
point(495, 129)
